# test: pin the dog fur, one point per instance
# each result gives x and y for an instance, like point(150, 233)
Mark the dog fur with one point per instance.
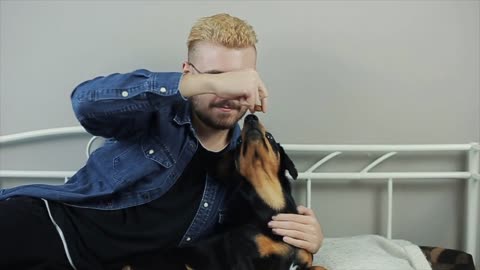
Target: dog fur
point(256, 171)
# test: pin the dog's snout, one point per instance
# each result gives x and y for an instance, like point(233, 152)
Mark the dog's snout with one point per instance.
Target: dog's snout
point(251, 118)
point(252, 128)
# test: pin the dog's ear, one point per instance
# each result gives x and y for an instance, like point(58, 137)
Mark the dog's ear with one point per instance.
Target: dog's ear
point(286, 163)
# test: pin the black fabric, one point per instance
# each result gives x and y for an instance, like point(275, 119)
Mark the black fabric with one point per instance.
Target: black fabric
point(137, 235)
point(448, 259)
point(28, 238)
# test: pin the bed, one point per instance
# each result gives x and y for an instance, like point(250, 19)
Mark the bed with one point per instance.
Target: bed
point(354, 252)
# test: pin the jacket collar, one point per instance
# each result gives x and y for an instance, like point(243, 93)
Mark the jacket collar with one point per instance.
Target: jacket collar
point(183, 116)
point(182, 112)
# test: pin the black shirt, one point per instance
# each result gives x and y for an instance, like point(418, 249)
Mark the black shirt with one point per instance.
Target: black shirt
point(107, 237)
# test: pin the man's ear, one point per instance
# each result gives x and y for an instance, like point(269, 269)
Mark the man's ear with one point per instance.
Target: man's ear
point(286, 163)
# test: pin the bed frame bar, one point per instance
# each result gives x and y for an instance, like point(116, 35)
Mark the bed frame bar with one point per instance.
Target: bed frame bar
point(471, 175)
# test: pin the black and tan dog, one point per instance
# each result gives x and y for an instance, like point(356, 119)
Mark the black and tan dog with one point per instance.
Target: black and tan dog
point(256, 172)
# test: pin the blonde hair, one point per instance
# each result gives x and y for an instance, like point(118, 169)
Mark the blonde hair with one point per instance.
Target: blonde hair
point(222, 29)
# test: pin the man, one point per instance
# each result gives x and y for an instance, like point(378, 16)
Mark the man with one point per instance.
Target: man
point(148, 188)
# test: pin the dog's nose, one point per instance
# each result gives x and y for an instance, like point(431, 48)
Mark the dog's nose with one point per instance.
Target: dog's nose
point(251, 118)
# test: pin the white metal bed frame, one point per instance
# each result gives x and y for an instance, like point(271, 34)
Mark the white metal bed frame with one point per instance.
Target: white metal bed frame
point(471, 175)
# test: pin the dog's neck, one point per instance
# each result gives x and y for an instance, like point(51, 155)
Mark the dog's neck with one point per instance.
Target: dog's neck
point(263, 211)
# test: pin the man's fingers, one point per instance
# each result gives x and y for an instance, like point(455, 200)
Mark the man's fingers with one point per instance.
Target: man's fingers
point(251, 103)
point(299, 243)
point(293, 217)
point(263, 94)
point(292, 233)
point(287, 225)
point(258, 108)
point(264, 105)
point(243, 102)
point(305, 211)
point(305, 222)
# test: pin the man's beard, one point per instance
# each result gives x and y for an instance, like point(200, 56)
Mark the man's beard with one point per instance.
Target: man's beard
point(222, 121)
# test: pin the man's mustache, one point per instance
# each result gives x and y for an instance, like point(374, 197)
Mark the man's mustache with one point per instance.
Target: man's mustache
point(227, 103)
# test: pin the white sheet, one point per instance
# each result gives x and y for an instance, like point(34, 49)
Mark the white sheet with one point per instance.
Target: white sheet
point(370, 252)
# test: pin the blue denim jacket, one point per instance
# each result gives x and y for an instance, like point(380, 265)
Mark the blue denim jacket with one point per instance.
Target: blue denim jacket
point(151, 140)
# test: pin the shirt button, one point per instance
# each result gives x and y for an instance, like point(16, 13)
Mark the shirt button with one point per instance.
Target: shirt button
point(125, 94)
point(188, 239)
point(163, 89)
point(151, 151)
point(205, 205)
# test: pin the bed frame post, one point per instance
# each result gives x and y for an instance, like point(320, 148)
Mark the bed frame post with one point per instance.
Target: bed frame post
point(390, 208)
point(309, 193)
point(472, 192)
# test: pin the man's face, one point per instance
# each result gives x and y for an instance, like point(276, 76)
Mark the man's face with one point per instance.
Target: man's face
point(211, 110)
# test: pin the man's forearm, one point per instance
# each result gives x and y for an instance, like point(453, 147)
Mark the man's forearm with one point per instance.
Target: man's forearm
point(195, 84)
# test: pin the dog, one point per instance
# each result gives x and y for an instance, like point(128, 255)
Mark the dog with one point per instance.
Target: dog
point(256, 173)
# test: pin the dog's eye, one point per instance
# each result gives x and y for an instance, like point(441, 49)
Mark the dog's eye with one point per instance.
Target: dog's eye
point(269, 136)
point(239, 141)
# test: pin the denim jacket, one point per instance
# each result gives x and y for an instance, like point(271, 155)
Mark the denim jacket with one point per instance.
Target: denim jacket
point(151, 141)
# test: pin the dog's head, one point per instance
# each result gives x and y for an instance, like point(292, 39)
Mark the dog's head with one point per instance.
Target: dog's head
point(263, 163)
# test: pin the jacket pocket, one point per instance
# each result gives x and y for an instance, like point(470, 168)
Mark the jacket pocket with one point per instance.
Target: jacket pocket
point(140, 160)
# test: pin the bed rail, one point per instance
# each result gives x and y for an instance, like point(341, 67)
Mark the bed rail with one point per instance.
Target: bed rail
point(471, 175)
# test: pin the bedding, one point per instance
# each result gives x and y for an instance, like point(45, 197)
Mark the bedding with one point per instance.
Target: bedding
point(374, 252)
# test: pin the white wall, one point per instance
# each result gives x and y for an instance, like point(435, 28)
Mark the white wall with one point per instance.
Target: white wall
point(338, 72)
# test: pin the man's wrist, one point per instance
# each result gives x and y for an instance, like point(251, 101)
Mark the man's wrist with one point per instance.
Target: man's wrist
point(196, 84)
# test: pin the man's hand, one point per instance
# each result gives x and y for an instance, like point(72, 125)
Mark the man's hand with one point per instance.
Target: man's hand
point(243, 85)
point(301, 230)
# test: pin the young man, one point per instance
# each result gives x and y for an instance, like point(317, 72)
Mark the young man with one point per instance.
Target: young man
point(148, 189)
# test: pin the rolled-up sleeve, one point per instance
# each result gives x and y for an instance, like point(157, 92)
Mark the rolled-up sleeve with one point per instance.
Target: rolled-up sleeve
point(119, 105)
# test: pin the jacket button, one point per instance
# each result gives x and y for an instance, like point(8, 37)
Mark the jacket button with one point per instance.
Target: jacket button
point(151, 151)
point(125, 94)
point(163, 90)
point(205, 205)
point(188, 239)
